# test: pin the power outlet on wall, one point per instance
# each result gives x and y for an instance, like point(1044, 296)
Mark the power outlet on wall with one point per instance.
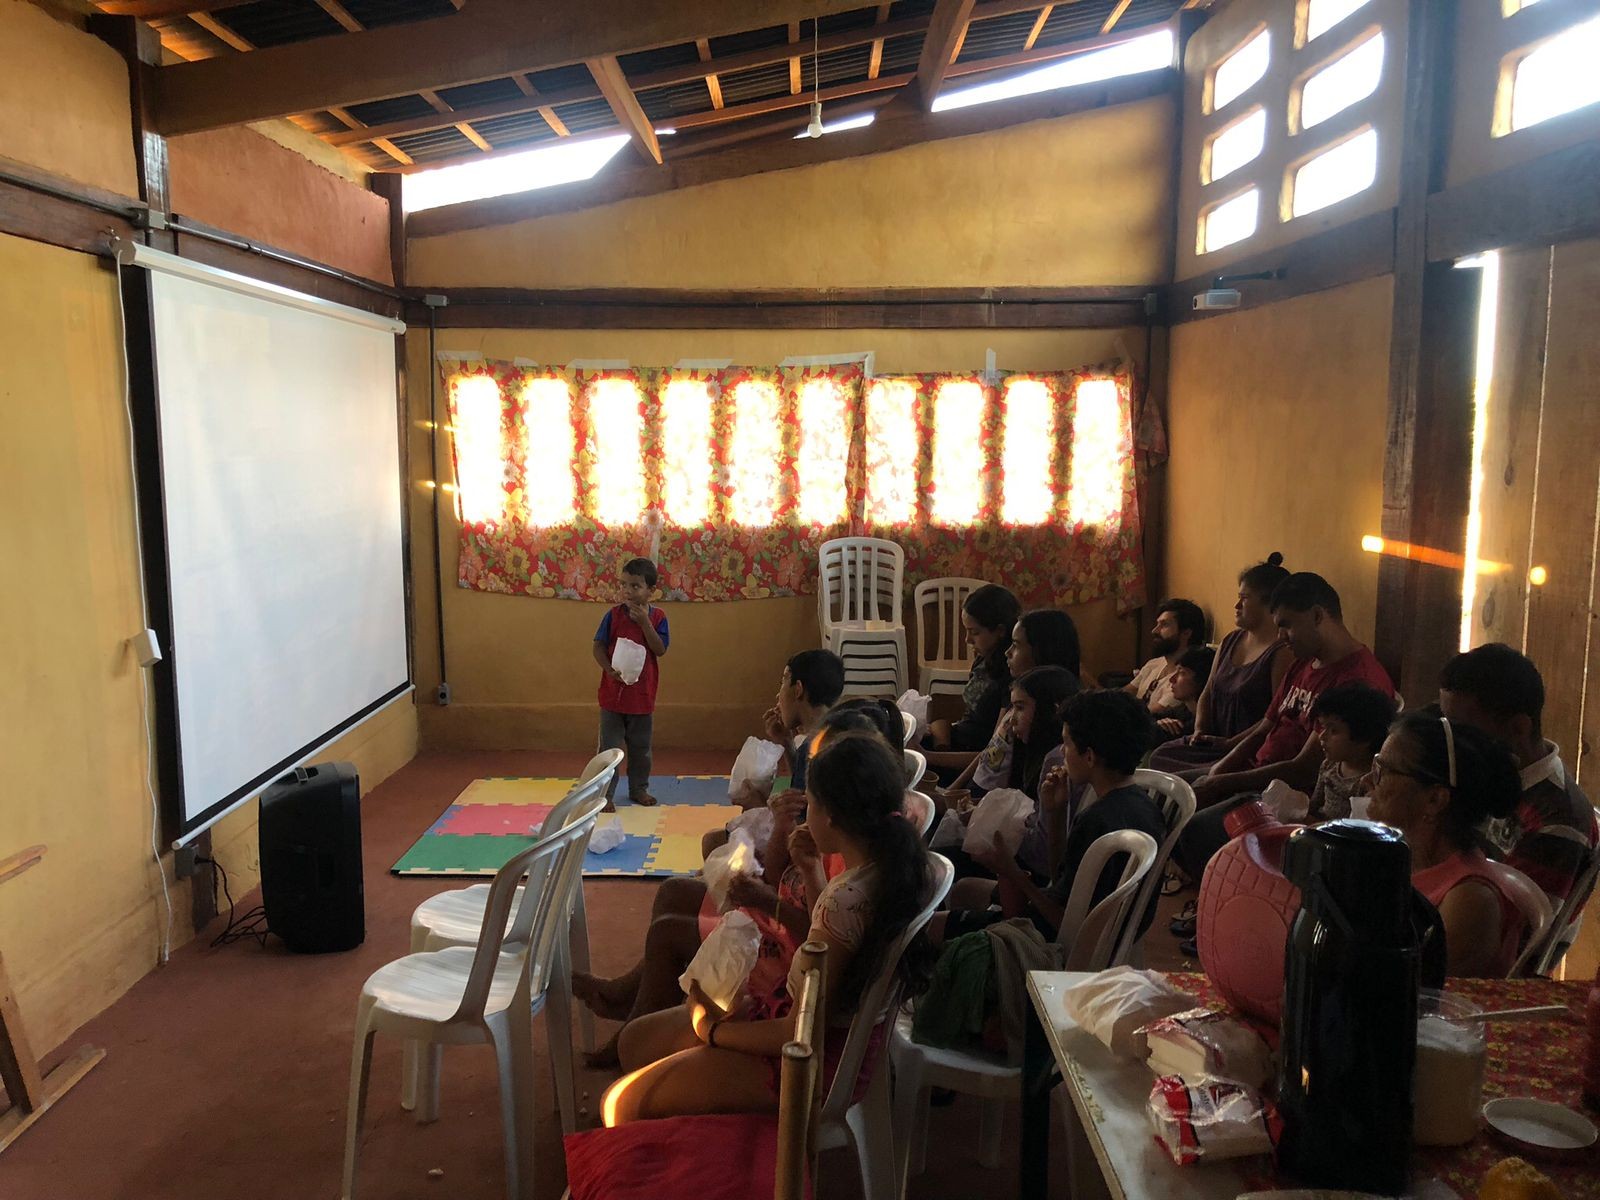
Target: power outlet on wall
point(185, 862)
point(443, 694)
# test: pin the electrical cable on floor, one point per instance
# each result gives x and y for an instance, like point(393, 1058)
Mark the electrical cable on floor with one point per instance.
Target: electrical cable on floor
point(144, 623)
point(252, 924)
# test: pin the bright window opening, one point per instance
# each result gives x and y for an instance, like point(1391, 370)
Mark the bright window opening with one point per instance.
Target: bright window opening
point(1351, 77)
point(1238, 144)
point(1029, 433)
point(568, 162)
point(1231, 221)
point(619, 466)
point(475, 423)
point(1558, 77)
point(686, 451)
point(824, 455)
point(1482, 377)
point(547, 426)
point(1323, 15)
point(1336, 174)
point(1152, 52)
point(1094, 496)
point(1239, 72)
point(957, 453)
point(756, 444)
point(891, 452)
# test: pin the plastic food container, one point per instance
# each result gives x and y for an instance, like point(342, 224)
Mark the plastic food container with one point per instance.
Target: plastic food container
point(1451, 1055)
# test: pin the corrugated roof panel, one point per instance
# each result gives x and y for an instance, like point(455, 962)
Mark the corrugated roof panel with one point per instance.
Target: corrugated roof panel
point(675, 100)
point(436, 143)
point(754, 39)
point(487, 92)
point(997, 36)
point(586, 116)
point(558, 79)
point(901, 53)
point(274, 23)
point(373, 13)
point(522, 127)
point(396, 108)
point(643, 61)
point(756, 84)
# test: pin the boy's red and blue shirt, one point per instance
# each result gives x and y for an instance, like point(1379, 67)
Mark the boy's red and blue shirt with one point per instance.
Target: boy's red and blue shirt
point(638, 698)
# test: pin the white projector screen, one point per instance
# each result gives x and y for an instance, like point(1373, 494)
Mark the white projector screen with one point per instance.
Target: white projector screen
point(281, 491)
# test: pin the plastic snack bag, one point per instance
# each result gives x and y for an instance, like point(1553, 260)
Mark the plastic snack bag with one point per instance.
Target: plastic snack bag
point(736, 857)
point(627, 659)
point(949, 833)
point(1004, 811)
point(1204, 1044)
point(607, 836)
point(725, 959)
point(1285, 803)
point(756, 766)
point(1115, 1005)
point(916, 704)
point(1211, 1119)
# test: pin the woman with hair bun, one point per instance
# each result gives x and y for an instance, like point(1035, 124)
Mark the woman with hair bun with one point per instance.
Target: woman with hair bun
point(1438, 782)
point(1249, 666)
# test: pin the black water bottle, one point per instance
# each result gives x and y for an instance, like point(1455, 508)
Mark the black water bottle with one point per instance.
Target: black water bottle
point(1349, 1034)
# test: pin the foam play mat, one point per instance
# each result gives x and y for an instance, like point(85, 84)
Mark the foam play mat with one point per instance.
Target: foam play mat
point(492, 819)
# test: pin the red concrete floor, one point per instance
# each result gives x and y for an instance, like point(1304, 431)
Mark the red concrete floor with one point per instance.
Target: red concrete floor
point(226, 1071)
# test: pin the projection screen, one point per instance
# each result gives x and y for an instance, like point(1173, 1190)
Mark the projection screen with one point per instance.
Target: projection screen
point(281, 504)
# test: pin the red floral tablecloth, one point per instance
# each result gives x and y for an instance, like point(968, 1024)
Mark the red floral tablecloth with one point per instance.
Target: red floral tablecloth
point(1535, 1059)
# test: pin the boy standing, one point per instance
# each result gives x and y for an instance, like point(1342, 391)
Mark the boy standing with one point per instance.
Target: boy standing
point(627, 709)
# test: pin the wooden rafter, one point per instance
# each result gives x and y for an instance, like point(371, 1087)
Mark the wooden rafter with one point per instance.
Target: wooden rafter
point(756, 108)
point(946, 30)
point(702, 47)
point(340, 14)
point(220, 31)
point(1039, 23)
point(1116, 15)
point(875, 57)
point(347, 119)
point(613, 84)
point(548, 114)
point(487, 39)
point(794, 60)
point(163, 10)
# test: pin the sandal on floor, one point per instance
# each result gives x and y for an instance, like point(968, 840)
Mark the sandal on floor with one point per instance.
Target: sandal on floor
point(1189, 949)
point(1183, 925)
point(1172, 883)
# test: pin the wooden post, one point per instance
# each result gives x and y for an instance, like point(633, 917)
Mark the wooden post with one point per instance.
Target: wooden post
point(31, 1092)
point(140, 47)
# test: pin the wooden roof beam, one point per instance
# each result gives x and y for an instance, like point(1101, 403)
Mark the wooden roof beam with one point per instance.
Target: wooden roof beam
point(875, 58)
point(546, 113)
point(1039, 23)
point(756, 108)
point(488, 39)
point(946, 31)
point(1116, 15)
point(613, 84)
point(702, 47)
point(163, 10)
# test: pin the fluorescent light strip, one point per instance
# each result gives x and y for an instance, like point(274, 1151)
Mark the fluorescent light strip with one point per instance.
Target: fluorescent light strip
point(1149, 53)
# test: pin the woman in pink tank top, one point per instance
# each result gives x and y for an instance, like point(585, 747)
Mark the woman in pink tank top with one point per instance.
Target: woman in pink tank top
point(1438, 782)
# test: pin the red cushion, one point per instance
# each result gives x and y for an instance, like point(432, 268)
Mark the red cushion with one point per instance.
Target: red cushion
point(721, 1157)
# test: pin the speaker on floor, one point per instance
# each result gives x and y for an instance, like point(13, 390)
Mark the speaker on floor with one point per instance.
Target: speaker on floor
point(311, 859)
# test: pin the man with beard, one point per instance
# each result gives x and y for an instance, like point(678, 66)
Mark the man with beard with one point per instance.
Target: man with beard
point(1179, 626)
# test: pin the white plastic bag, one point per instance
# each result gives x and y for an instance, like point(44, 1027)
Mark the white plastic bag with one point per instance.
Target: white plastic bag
point(1116, 1004)
point(627, 659)
point(607, 836)
point(725, 959)
point(756, 824)
point(756, 766)
point(916, 704)
point(1285, 803)
point(736, 857)
point(1360, 808)
point(949, 833)
point(1004, 811)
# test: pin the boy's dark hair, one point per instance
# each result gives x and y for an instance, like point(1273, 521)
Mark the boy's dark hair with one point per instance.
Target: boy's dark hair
point(1112, 724)
point(1264, 576)
point(873, 714)
point(1366, 710)
point(1504, 682)
point(1305, 590)
point(1197, 660)
point(643, 568)
point(820, 673)
point(1189, 617)
point(1053, 638)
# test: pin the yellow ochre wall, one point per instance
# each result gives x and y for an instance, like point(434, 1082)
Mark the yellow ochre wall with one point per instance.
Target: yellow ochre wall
point(1084, 199)
point(1079, 200)
point(1277, 419)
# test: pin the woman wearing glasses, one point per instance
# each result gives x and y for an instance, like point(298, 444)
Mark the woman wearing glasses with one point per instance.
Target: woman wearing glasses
point(1437, 783)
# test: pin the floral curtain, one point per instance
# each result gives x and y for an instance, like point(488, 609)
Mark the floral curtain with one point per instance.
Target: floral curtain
point(731, 479)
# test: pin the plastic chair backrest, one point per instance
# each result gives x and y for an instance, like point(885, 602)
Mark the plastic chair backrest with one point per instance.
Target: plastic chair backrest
point(944, 597)
point(910, 723)
point(918, 809)
point(1534, 905)
point(549, 869)
point(587, 787)
point(1563, 925)
point(916, 764)
point(875, 1002)
point(1091, 937)
point(606, 759)
point(859, 579)
point(1177, 806)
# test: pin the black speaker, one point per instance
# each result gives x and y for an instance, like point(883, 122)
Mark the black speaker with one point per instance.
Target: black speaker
point(311, 859)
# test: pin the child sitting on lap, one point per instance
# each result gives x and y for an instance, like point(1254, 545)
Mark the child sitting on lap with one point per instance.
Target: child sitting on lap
point(1352, 721)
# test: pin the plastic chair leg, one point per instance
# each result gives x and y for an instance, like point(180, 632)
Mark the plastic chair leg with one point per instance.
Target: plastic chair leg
point(871, 1125)
point(410, 1073)
point(558, 1026)
point(513, 1047)
point(430, 1061)
point(578, 939)
point(991, 1123)
point(910, 1111)
point(360, 1073)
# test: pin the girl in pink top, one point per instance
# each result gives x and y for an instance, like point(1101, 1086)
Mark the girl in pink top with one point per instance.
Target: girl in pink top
point(1437, 783)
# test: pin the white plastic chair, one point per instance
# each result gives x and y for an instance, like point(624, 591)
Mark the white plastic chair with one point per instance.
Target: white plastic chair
point(910, 722)
point(946, 669)
point(868, 1125)
point(916, 764)
point(1177, 802)
point(453, 918)
point(918, 809)
point(1534, 905)
point(485, 993)
point(1091, 942)
point(859, 587)
point(1564, 927)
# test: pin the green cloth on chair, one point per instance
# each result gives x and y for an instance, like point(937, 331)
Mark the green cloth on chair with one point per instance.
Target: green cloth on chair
point(953, 1010)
